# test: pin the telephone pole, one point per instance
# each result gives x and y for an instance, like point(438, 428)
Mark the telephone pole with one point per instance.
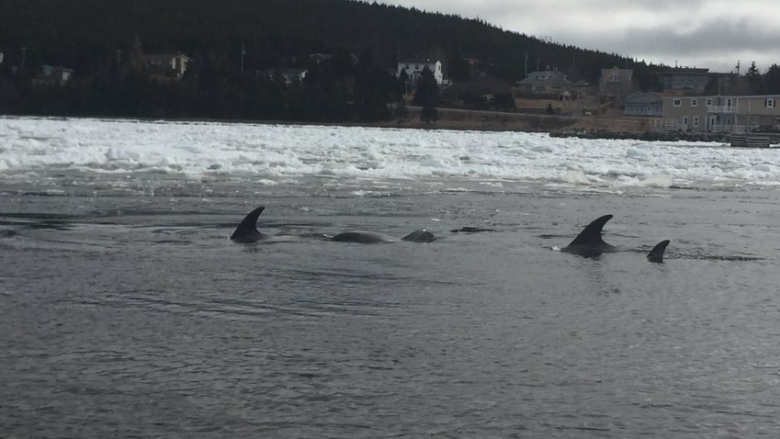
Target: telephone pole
point(243, 52)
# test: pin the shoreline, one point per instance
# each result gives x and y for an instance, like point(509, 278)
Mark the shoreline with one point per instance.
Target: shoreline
point(468, 120)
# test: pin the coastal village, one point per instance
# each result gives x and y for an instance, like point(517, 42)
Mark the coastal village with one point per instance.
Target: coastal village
point(684, 100)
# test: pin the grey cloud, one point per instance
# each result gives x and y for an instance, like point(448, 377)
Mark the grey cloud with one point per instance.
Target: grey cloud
point(734, 31)
point(718, 40)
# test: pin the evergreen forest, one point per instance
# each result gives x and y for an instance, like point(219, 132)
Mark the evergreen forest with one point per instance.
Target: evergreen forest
point(238, 50)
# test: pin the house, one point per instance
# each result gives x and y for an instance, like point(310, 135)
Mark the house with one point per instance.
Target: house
point(50, 75)
point(414, 68)
point(616, 83)
point(550, 84)
point(319, 58)
point(683, 78)
point(289, 75)
point(644, 104)
point(172, 66)
point(720, 114)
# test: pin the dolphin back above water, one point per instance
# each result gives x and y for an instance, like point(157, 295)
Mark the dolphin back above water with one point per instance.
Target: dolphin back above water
point(247, 232)
point(589, 242)
point(657, 253)
point(361, 237)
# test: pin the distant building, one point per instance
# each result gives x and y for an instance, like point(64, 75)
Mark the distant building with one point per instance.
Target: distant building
point(289, 75)
point(414, 68)
point(683, 78)
point(644, 104)
point(720, 114)
point(50, 75)
point(319, 57)
point(616, 83)
point(164, 65)
point(550, 84)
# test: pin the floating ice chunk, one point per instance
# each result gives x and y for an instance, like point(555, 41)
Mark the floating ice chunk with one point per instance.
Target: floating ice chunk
point(577, 177)
point(637, 153)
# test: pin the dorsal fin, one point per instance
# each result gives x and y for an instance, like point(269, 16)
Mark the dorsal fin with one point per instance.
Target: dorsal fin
point(247, 230)
point(591, 235)
point(657, 253)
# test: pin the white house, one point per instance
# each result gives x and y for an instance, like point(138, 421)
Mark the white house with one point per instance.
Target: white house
point(50, 75)
point(171, 64)
point(415, 67)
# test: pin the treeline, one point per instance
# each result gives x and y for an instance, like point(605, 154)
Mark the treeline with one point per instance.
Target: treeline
point(766, 83)
point(331, 92)
point(230, 42)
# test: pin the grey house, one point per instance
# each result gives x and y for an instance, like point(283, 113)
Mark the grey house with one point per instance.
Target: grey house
point(681, 78)
point(545, 84)
point(616, 83)
point(644, 104)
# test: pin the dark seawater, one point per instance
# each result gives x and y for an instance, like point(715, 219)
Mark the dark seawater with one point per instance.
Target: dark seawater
point(131, 315)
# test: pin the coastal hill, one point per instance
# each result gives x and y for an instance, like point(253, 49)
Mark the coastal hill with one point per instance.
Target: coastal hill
point(230, 46)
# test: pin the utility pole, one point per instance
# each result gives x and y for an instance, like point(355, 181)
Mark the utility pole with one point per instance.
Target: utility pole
point(243, 52)
point(526, 64)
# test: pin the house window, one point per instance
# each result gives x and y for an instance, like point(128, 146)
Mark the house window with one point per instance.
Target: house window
point(709, 102)
point(696, 121)
point(770, 103)
point(677, 102)
point(694, 102)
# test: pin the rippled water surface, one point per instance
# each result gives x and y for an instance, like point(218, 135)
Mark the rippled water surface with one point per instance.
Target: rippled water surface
point(135, 316)
point(126, 312)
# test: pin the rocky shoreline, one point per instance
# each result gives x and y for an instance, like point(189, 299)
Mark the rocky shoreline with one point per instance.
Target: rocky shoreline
point(650, 136)
point(655, 136)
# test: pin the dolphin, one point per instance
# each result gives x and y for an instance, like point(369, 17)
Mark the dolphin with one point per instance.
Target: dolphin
point(657, 253)
point(247, 232)
point(590, 244)
point(363, 237)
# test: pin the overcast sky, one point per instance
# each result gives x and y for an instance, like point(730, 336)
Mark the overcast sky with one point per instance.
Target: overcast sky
point(715, 34)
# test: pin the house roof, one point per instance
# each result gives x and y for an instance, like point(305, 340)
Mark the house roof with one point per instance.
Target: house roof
point(544, 77)
point(416, 61)
point(737, 96)
point(682, 71)
point(56, 69)
point(644, 98)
